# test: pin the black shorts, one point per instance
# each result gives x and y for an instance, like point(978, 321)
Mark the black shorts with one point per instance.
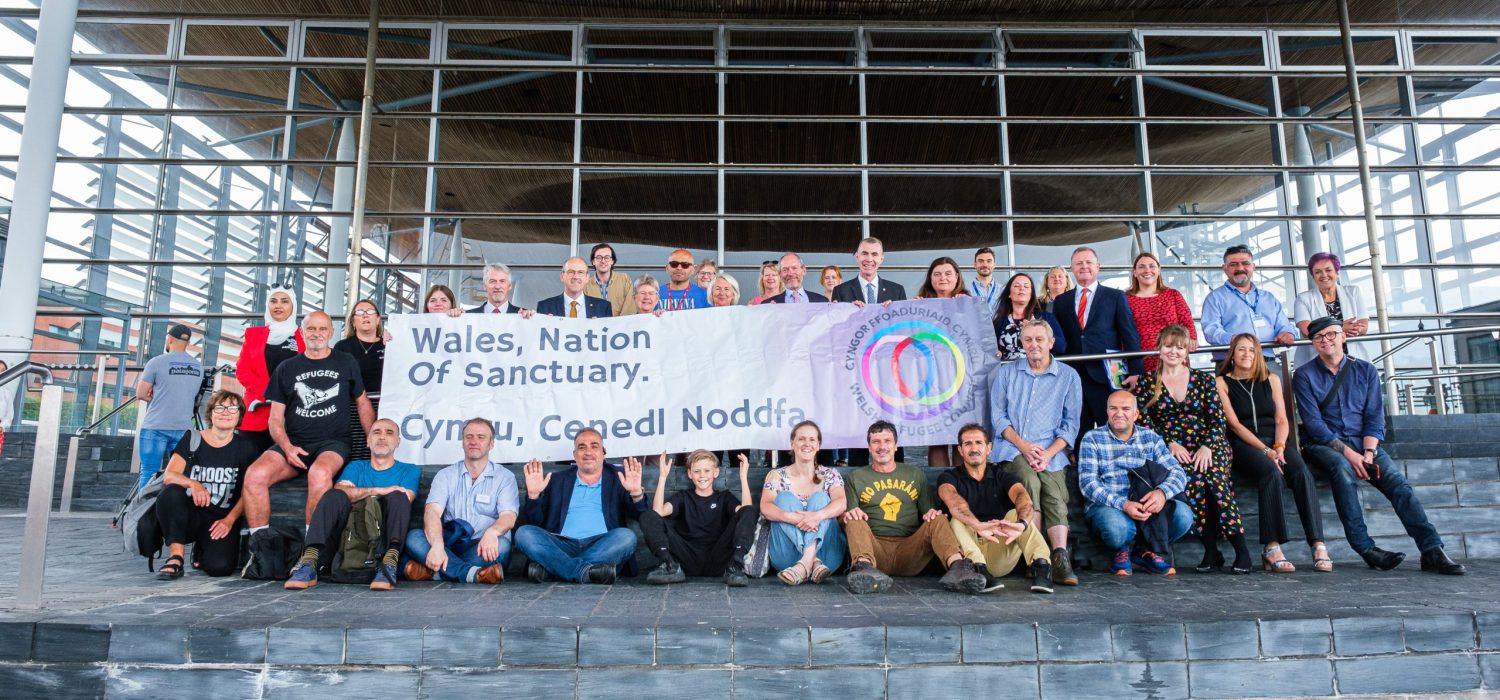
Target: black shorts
point(314, 449)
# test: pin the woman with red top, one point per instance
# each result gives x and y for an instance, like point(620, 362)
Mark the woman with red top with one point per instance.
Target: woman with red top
point(266, 347)
point(1156, 306)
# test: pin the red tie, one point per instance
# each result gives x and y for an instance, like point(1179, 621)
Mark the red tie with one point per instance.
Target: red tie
point(494, 309)
point(1083, 306)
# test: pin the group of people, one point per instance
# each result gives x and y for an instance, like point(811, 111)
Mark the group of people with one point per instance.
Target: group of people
point(1153, 442)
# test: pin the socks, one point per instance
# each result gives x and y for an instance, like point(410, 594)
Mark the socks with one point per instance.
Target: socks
point(392, 556)
point(254, 530)
point(310, 556)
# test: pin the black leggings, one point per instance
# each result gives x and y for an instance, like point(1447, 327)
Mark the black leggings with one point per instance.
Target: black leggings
point(1268, 486)
point(182, 522)
point(700, 560)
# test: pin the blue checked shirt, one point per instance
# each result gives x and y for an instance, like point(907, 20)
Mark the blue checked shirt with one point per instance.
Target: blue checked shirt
point(1104, 459)
point(1040, 407)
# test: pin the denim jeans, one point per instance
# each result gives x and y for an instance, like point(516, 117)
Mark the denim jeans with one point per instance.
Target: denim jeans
point(1391, 483)
point(568, 558)
point(788, 543)
point(155, 446)
point(462, 548)
point(1117, 529)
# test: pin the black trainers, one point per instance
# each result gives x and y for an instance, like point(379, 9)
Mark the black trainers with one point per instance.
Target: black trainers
point(666, 572)
point(964, 577)
point(1041, 576)
point(538, 573)
point(734, 574)
point(864, 578)
point(600, 573)
point(1062, 568)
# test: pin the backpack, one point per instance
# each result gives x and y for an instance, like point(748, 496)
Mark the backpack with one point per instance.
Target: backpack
point(362, 545)
point(136, 516)
point(273, 552)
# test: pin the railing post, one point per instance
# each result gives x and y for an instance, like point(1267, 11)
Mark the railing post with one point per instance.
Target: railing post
point(1438, 400)
point(135, 442)
point(39, 500)
point(98, 389)
point(68, 471)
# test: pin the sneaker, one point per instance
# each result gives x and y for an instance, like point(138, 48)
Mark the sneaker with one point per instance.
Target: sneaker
point(385, 578)
point(1062, 568)
point(416, 571)
point(600, 573)
point(991, 582)
point(734, 575)
point(304, 576)
point(538, 573)
point(1041, 576)
point(666, 572)
point(1121, 563)
point(863, 578)
point(491, 575)
point(1153, 563)
point(962, 577)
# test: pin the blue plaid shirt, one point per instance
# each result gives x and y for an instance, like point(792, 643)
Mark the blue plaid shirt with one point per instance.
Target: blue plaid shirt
point(1104, 459)
point(1039, 407)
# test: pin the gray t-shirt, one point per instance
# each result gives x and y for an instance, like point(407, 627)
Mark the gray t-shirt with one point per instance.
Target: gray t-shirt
point(175, 378)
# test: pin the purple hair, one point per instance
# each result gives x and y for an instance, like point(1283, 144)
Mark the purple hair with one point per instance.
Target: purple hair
point(1320, 257)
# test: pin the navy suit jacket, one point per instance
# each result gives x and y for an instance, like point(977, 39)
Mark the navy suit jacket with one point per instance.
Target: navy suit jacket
point(485, 307)
point(812, 298)
point(1111, 326)
point(558, 306)
point(854, 290)
point(549, 510)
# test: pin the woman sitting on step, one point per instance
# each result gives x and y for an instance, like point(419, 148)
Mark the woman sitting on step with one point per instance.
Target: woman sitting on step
point(200, 501)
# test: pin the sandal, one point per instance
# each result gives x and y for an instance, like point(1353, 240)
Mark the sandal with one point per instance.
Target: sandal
point(171, 569)
point(820, 572)
point(1280, 566)
point(1321, 562)
point(793, 575)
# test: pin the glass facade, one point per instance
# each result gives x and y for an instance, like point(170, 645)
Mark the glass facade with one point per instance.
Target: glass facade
point(199, 158)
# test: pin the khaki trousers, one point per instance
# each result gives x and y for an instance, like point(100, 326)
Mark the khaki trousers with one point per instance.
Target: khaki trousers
point(902, 556)
point(1000, 557)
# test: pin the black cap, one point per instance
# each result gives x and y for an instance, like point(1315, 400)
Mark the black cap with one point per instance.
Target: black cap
point(180, 332)
point(1319, 325)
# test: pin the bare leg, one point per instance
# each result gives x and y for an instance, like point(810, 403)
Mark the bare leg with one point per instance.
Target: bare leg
point(320, 479)
point(270, 469)
point(1057, 536)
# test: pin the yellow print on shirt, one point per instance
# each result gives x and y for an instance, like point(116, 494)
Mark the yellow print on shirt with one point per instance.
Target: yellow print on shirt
point(890, 503)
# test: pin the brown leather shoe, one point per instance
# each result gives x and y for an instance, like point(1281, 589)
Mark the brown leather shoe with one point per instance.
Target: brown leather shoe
point(491, 574)
point(416, 571)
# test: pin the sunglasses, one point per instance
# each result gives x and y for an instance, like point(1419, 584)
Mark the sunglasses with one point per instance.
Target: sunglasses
point(678, 264)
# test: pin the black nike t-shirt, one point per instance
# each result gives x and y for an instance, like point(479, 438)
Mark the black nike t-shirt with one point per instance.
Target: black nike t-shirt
point(701, 519)
point(221, 470)
point(319, 396)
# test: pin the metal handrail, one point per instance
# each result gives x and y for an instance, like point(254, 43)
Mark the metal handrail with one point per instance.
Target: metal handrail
point(24, 368)
point(1447, 375)
point(1399, 348)
point(89, 429)
point(1282, 348)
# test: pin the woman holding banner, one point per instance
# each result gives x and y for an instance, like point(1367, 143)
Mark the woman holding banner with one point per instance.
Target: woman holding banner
point(944, 280)
point(802, 502)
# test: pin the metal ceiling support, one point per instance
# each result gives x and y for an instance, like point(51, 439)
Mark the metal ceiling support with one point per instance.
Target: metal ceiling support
point(455, 258)
point(1367, 194)
point(1307, 187)
point(355, 251)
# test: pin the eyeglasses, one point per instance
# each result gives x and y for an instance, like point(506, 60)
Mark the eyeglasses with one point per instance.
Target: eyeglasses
point(575, 272)
point(226, 408)
point(366, 312)
point(1327, 337)
point(678, 264)
point(604, 257)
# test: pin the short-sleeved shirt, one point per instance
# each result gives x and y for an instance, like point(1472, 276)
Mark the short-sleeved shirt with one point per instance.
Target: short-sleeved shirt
point(988, 498)
point(362, 474)
point(694, 297)
point(221, 470)
point(319, 396)
point(175, 379)
point(585, 516)
point(478, 502)
point(369, 356)
point(702, 519)
point(828, 480)
point(895, 501)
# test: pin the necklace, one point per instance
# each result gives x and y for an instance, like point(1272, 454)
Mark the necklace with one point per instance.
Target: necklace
point(1254, 415)
point(366, 348)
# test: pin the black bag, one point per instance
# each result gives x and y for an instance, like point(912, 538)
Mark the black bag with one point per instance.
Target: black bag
point(273, 553)
point(362, 545)
point(136, 516)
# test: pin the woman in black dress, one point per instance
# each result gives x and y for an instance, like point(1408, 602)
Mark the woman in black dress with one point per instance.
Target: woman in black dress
point(364, 339)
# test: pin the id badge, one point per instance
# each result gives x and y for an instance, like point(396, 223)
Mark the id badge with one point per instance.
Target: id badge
point(482, 498)
point(1262, 326)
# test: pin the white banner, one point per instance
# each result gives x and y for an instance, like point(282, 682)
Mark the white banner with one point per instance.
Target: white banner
point(722, 378)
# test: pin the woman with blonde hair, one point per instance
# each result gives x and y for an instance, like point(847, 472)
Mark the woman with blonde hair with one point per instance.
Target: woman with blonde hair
point(1054, 283)
point(770, 282)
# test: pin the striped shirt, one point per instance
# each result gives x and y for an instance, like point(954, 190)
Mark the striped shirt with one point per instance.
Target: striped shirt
point(1104, 459)
point(1040, 407)
point(478, 502)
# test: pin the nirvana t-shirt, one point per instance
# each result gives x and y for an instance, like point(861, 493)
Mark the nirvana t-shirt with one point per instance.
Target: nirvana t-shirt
point(365, 476)
point(988, 498)
point(895, 502)
point(371, 359)
point(694, 297)
point(221, 470)
point(319, 396)
point(701, 519)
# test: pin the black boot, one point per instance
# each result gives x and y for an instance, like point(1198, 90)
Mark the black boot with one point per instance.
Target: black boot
point(734, 574)
point(1242, 561)
point(1212, 558)
point(667, 572)
point(1437, 560)
point(1378, 558)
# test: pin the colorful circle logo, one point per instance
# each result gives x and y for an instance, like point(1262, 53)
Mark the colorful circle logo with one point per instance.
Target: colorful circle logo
point(913, 391)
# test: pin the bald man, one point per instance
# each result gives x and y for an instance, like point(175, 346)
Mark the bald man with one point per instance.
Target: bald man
point(573, 303)
point(311, 398)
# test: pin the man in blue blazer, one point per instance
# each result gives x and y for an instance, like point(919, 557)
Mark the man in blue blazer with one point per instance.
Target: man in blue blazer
point(573, 303)
point(577, 519)
point(868, 287)
point(1096, 319)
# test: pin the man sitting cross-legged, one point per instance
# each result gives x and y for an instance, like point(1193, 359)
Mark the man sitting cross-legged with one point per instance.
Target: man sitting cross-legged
point(466, 524)
point(990, 510)
point(394, 484)
point(710, 529)
point(893, 525)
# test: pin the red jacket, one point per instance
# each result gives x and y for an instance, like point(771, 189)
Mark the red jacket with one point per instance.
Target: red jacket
point(251, 372)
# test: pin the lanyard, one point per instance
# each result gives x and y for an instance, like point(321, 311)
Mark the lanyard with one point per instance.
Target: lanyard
point(989, 297)
point(680, 302)
point(1248, 300)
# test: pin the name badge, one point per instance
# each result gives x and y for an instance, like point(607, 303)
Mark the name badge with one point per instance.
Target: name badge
point(482, 498)
point(1262, 325)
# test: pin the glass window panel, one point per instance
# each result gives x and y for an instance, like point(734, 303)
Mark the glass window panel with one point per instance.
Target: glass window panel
point(1395, 193)
point(507, 91)
point(649, 142)
point(117, 86)
point(1207, 96)
point(487, 190)
point(932, 95)
point(1459, 144)
point(1466, 241)
point(400, 139)
point(122, 38)
point(467, 43)
point(1457, 97)
point(263, 41)
point(1203, 50)
point(1068, 96)
point(648, 93)
point(1076, 194)
point(231, 88)
point(1329, 96)
point(396, 190)
point(816, 143)
point(401, 89)
point(630, 239)
point(754, 193)
point(934, 144)
point(410, 43)
point(505, 140)
point(1332, 143)
point(1454, 49)
point(935, 193)
point(18, 36)
point(648, 193)
point(783, 47)
point(207, 137)
point(105, 186)
point(10, 133)
point(1327, 50)
point(1200, 245)
point(1402, 241)
point(1081, 49)
point(1212, 193)
point(911, 246)
point(1072, 144)
point(750, 242)
point(1210, 144)
point(967, 49)
point(762, 94)
point(1463, 192)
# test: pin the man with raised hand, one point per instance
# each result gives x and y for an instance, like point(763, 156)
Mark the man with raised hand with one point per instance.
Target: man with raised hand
point(578, 518)
point(466, 524)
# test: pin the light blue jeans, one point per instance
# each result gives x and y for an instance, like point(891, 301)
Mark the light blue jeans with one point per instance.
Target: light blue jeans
point(155, 446)
point(788, 543)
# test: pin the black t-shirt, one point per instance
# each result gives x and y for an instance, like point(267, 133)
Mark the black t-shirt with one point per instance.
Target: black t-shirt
point(989, 498)
point(277, 354)
point(370, 356)
point(221, 470)
point(701, 519)
point(319, 396)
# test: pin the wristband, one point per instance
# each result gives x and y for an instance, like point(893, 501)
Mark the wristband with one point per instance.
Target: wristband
point(1278, 445)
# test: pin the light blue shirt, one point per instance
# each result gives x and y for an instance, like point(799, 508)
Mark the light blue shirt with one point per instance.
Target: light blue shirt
point(478, 502)
point(585, 516)
point(1227, 313)
point(987, 293)
point(1040, 407)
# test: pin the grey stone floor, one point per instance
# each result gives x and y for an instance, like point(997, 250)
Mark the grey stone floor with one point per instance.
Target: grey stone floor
point(90, 579)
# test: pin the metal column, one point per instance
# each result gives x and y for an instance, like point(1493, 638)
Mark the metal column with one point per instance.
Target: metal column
point(1307, 187)
point(362, 168)
point(338, 229)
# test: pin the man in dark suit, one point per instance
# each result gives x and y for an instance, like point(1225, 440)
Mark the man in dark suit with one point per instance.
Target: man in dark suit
point(792, 272)
point(868, 287)
point(573, 303)
point(497, 293)
point(1096, 319)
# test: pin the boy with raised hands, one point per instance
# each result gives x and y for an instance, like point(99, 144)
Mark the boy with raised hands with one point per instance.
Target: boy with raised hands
point(710, 529)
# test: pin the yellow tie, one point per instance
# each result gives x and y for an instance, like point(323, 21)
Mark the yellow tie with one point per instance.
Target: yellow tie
point(573, 310)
